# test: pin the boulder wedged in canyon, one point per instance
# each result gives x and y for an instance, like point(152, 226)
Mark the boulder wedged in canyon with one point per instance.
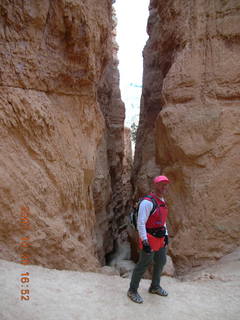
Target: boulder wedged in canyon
point(192, 88)
point(53, 56)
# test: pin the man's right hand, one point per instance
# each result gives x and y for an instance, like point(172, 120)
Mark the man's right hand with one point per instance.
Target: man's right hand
point(146, 246)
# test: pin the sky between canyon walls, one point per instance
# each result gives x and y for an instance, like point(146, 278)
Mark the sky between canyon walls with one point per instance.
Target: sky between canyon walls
point(131, 37)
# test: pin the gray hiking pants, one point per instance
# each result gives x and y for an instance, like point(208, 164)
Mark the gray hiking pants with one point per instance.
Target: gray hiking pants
point(159, 259)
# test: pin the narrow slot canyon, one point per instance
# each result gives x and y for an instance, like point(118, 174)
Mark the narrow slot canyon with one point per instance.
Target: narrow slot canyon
point(69, 173)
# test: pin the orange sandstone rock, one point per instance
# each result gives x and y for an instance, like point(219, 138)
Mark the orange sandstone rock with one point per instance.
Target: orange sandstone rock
point(52, 58)
point(192, 89)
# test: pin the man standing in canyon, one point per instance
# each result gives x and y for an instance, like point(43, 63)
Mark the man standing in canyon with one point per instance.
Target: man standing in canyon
point(153, 239)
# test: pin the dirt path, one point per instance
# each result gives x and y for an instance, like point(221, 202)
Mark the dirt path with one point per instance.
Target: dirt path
point(68, 295)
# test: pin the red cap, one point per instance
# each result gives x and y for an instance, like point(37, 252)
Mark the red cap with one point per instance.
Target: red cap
point(161, 179)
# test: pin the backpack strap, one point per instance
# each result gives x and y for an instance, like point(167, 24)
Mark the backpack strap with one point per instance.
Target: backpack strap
point(154, 202)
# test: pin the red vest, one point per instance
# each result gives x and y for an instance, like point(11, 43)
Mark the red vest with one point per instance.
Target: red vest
point(157, 219)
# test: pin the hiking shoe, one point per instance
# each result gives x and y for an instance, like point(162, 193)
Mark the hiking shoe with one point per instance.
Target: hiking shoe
point(134, 296)
point(160, 291)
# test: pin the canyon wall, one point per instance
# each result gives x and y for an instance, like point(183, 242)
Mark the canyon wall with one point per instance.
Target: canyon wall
point(112, 188)
point(189, 124)
point(56, 60)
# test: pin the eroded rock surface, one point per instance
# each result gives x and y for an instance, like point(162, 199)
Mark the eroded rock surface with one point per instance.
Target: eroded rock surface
point(112, 187)
point(192, 86)
point(54, 56)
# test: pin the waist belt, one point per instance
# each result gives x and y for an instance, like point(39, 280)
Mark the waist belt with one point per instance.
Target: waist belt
point(157, 232)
